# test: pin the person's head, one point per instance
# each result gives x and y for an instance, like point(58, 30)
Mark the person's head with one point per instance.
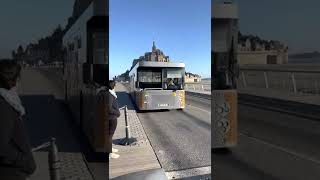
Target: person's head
point(9, 73)
point(112, 84)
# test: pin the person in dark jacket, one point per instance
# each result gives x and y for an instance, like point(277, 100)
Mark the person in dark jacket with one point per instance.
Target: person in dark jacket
point(16, 159)
point(113, 114)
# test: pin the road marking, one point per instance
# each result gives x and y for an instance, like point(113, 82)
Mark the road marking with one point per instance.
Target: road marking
point(199, 109)
point(190, 173)
point(281, 149)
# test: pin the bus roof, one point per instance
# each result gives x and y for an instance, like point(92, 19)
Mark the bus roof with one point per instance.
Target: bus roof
point(159, 64)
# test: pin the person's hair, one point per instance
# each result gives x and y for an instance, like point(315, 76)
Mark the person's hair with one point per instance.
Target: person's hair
point(9, 71)
point(111, 82)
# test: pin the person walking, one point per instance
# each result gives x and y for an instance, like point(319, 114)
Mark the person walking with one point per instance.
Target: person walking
point(16, 159)
point(113, 114)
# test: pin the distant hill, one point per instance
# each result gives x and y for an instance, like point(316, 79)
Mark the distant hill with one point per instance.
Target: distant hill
point(314, 54)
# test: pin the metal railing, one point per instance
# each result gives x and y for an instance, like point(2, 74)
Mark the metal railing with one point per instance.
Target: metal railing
point(198, 86)
point(293, 81)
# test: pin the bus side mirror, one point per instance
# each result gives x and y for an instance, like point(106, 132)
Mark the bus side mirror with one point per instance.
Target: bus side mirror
point(86, 73)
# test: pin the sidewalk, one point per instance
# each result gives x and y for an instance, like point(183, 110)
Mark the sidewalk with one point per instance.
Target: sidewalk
point(47, 116)
point(278, 94)
point(138, 156)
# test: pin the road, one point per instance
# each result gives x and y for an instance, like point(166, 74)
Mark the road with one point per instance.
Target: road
point(181, 139)
point(272, 145)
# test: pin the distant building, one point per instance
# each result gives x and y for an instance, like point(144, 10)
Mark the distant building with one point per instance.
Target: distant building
point(154, 55)
point(192, 78)
point(253, 50)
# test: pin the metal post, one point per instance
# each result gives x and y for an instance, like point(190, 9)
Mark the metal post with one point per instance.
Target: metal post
point(294, 83)
point(127, 140)
point(128, 136)
point(244, 79)
point(266, 79)
point(54, 162)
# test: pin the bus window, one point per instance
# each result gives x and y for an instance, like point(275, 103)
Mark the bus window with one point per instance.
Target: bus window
point(149, 79)
point(173, 79)
point(99, 48)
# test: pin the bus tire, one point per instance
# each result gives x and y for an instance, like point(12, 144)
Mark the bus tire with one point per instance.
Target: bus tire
point(180, 109)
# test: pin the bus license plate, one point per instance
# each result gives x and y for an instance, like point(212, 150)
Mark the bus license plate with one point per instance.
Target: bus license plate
point(163, 105)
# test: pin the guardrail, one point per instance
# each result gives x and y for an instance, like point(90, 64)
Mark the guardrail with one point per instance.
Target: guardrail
point(198, 86)
point(290, 80)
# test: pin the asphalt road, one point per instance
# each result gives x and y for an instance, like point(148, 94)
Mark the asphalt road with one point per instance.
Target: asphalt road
point(181, 139)
point(272, 145)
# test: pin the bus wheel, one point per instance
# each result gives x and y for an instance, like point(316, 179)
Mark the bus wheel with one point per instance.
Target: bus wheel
point(180, 109)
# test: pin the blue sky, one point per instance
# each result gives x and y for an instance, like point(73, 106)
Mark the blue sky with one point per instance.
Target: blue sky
point(294, 22)
point(23, 21)
point(180, 28)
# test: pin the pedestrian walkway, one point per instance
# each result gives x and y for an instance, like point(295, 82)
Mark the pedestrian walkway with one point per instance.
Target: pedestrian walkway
point(282, 95)
point(138, 156)
point(47, 116)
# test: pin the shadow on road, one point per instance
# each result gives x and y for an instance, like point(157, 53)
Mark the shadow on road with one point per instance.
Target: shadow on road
point(125, 99)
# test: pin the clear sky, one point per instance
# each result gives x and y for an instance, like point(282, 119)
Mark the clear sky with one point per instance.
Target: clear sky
point(294, 22)
point(180, 28)
point(24, 21)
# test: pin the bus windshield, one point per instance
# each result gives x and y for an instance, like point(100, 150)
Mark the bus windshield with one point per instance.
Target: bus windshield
point(164, 78)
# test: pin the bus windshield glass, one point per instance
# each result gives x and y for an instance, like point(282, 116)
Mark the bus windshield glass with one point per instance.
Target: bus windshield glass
point(173, 79)
point(149, 78)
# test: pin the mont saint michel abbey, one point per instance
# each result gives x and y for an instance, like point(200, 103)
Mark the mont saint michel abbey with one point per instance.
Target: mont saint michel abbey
point(159, 56)
point(154, 55)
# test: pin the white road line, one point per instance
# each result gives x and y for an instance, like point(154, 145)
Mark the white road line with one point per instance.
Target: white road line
point(282, 149)
point(189, 172)
point(199, 108)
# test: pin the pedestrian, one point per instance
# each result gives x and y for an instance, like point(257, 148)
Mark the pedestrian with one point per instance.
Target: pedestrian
point(16, 159)
point(113, 114)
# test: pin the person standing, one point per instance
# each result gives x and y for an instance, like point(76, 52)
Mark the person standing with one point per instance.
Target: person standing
point(16, 159)
point(113, 114)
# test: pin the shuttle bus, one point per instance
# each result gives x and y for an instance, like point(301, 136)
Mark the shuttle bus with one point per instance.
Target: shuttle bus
point(224, 27)
point(85, 67)
point(157, 85)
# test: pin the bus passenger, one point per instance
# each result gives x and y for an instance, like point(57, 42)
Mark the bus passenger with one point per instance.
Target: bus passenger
point(171, 85)
point(16, 159)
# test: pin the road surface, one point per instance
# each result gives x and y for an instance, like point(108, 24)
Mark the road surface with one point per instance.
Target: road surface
point(181, 139)
point(272, 145)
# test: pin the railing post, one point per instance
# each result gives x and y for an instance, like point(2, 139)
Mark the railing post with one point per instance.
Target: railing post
point(244, 79)
point(266, 79)
point(294, 82)
point(54, 161)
